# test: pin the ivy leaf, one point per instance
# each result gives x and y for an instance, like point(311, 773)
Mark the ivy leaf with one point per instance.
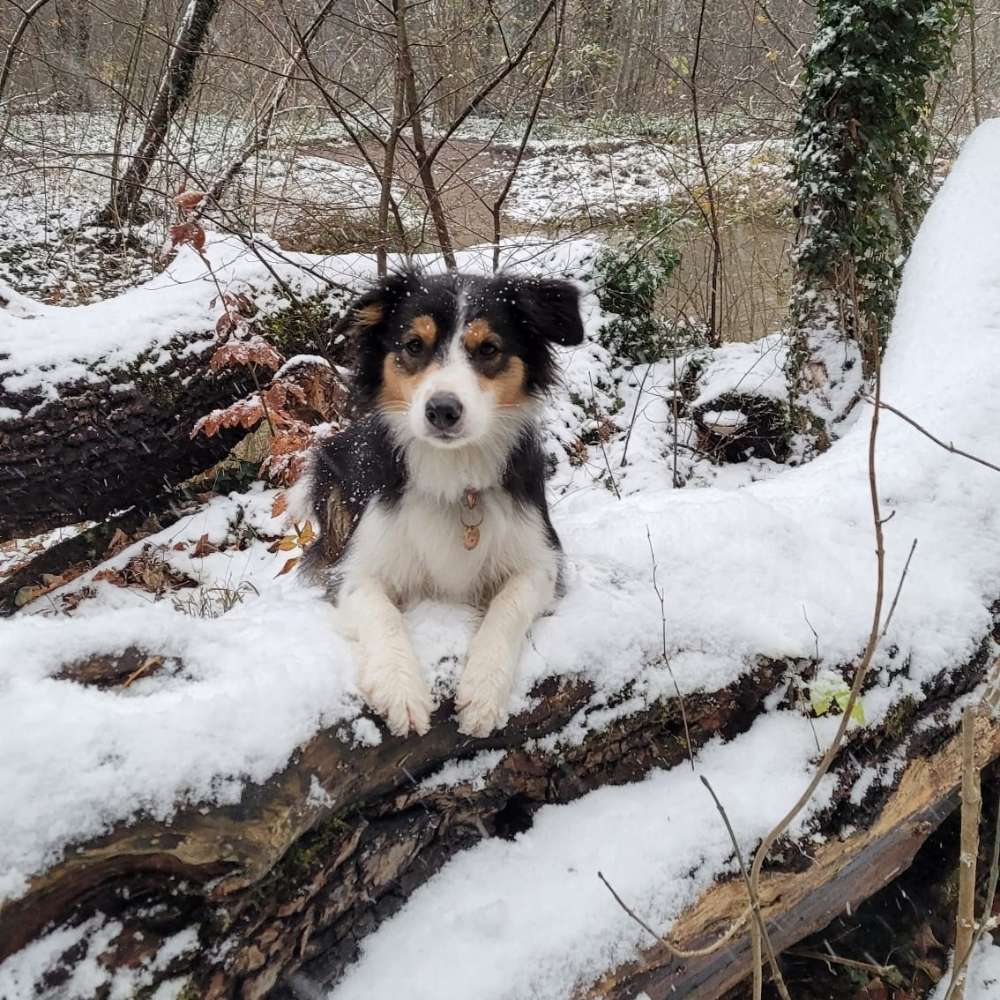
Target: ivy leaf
point(828, 689)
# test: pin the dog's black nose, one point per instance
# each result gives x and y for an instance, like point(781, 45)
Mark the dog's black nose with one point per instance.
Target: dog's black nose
point(443, 410)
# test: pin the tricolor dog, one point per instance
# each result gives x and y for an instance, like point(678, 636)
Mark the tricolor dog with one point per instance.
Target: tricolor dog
point(437, 489)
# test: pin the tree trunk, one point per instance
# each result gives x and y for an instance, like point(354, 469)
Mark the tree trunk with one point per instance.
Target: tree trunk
point(171, 95)
point(290, 879)
point(73, 33)
point(862, 181)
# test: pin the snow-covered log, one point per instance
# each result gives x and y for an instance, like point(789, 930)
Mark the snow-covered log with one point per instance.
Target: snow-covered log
point(797, 900)
point(287, 882)
point(97, 402)
point(84, 447)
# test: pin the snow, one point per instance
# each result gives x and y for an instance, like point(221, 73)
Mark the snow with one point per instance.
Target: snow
point(747, 562)
point(88, 975)
point(983, 978)
point(756, 368)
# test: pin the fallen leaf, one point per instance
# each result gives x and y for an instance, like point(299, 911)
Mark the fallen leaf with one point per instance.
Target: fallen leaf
point(204, 548)
point(119, 541)
point(290, 564)
point(280, 504)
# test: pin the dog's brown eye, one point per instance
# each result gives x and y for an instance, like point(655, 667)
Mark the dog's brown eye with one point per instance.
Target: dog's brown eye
point(488, 350)
point(414, 347)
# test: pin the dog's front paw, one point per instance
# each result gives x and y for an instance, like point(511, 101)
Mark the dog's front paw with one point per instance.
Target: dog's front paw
point(394, 687)
point(483, 694)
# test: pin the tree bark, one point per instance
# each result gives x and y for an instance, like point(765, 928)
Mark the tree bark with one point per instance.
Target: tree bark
point(101, 446)
point(73, 33)
point(171, 95)
point(86, 449)
point(292, 880)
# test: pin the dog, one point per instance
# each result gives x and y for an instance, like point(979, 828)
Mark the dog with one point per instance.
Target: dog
point(437, 489)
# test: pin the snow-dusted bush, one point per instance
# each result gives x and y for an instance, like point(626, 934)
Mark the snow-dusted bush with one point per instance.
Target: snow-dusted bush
point(627, 281)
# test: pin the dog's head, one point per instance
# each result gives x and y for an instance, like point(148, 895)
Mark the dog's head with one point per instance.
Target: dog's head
point(450, 358)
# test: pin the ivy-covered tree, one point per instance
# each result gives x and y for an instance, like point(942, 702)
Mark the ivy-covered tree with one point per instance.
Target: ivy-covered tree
point(861, 169)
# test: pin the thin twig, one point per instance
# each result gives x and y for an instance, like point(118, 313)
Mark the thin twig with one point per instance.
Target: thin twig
point(779, 980)
point(848, 963)
point(675, 952)
point(971, 799)
point(899, 587)
point(666, 658)
point(635, 411)
point(948, 446)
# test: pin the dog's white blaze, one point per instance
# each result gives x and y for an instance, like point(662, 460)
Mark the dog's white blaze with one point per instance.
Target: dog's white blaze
point(416, 549)
point(457, 376)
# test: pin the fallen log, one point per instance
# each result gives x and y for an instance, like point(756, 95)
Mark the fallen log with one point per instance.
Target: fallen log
point(83, 449)
point(95, 447)
point(304, 866)
point(841, 874)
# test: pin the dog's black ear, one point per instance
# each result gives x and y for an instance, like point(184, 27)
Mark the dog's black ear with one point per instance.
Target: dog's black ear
point(366, 321)
point(549, 307)
point(368, 312)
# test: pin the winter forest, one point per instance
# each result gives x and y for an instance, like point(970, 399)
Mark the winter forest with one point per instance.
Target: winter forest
point(748, 745)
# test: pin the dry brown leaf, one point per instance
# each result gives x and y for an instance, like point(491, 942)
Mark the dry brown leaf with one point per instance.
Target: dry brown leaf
point(306, 534)
point(188, 232)
point(280, 504)
point(290, 564)
point(204, 548)
point(187, 200)
point(255, 351)
point(119, 541)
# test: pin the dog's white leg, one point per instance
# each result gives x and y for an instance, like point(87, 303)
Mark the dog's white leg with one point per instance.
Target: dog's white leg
point(389, 677)
point(484, 690)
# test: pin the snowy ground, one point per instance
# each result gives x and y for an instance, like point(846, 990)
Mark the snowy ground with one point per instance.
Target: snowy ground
point(752, 564)
point(983, 978)
point(564, 183)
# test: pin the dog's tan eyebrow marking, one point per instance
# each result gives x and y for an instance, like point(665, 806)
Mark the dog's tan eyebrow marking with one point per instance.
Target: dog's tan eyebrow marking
point(367, 316)
point(479, 332)
point(425, 328)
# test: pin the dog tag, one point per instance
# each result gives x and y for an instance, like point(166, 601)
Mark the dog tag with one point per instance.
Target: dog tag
point(471, 536)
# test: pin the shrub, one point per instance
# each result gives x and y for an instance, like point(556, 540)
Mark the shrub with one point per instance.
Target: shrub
point(627, 283)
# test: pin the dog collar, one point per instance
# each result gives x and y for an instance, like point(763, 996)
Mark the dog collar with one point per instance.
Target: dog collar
point(466, 513)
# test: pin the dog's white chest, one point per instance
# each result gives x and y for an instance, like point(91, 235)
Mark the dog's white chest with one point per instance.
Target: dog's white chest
point(418, 547)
